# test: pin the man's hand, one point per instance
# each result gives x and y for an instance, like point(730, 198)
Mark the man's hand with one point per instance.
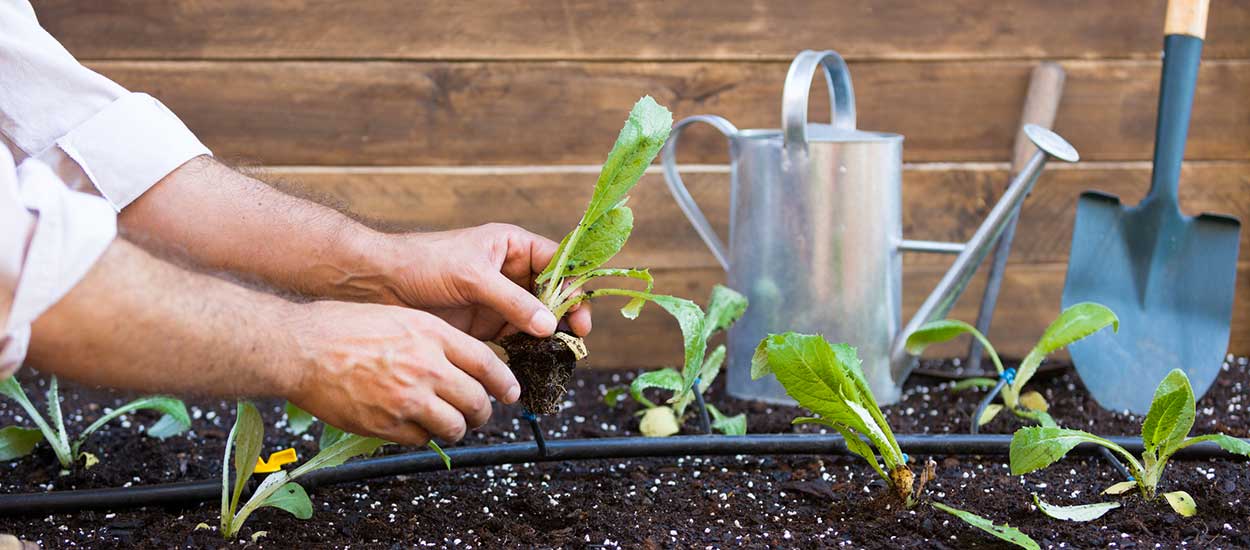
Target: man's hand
point(478, 279)
point(395, 373)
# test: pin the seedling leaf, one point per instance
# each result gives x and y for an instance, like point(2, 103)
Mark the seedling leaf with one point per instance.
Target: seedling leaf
point(667, 379)
point(1034, 448)
point(601, 241)
point(640, 140)
point(341, 451)
point(1004, 531)
point(975, 382)
point(1120, 488)
point(1073, 324)
point(173, 409)
point(728, 425)
point(1083, 512)
point(446, 459)
point(1226, 442)
point(724, 308)
point(989, 413)
point(1182, 503)
point(615, 395)
point(298, 420)
point(941, 330)
point(16, 441)
point(329, 436)
point(1034, 401)
point(292, 498)
point(248, 435)
point(1171, 415)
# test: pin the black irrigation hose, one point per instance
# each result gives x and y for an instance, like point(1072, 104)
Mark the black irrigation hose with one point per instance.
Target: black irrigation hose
point(559, 450)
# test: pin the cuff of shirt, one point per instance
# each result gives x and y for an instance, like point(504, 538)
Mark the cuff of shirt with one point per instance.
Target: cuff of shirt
point(71, 231)
point(129, 146)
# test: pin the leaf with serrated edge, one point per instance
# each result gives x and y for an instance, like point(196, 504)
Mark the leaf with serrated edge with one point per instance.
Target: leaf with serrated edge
point(852, 441)
point(1073, 324)
point(724, 308)
point(667, 379)
point(942, 330)
point(1182, 503)
point(1034, 448)
point(728, 425)
point(989, 413)
point(1120, 488)
point(292, 498)
point(298, 420)
point(1004, 531)
point(1226, 442)
point(16, 441)
point(1082, 512)
point(172, 408)
point(1171, 414)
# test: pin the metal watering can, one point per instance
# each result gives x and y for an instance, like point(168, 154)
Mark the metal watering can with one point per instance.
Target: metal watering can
point(815, 231)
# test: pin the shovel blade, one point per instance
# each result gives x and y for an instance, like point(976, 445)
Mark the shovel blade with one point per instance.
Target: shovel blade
point(1170, 280)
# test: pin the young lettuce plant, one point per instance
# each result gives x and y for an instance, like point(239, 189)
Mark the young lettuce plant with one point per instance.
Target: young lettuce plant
point(279, 489)
point(544, 366)
point(16, 441)
point(724, 308)
point(827, 379)
point(1165, 431)
point(300, 420)
point(1073, 324)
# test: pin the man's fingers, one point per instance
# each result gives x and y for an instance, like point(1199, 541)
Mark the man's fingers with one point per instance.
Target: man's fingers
point(440, 419)
point(579, 319)
point(479, 361)
point(407, 433)
point(516, 305)
point(465, 394)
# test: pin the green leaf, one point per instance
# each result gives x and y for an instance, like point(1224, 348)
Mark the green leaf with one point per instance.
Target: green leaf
point(341, 451)
point(600, 242)
point(639, 142)
point(17, 442)
point(615, 395)
point(176, 412)
point(246, 437)
point(1120, 488)
point(852, 441)
point(1171, 415)
point(667, 379)
point(11, 389)
point(292, 498)
point(935, 332)
point(724, 308)
point(974, 382)
point(446, 459)
point(298, 420)
point(1226, 442)
point(689, 317)
point(1182, 503)
point(827, 379)
point(707, 374)
point(1034, 448)
point(728, 425)
point(989, 413)
point(1083, 512)
point(329, 436)
point(1004, 531)
point(1073, 324)
point(53, 403)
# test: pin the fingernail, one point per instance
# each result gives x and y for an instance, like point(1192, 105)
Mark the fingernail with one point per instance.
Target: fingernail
point(543, 322)
point(513, 394)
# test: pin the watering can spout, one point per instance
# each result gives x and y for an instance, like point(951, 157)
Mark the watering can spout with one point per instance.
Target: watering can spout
point(956, 279)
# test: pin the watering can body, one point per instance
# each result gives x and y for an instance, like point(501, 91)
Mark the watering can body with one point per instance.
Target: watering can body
point(815, 220)
point(815, 232)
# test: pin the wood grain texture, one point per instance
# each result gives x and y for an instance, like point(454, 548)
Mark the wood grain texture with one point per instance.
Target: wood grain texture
point(1030, 300)
point(941, 202)
point(649, 30)
point(389, 113)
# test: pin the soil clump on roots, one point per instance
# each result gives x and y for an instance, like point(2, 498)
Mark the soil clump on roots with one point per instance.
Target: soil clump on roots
point(543, 367)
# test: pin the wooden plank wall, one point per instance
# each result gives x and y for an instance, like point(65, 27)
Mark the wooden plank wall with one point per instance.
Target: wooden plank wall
point(442, 114)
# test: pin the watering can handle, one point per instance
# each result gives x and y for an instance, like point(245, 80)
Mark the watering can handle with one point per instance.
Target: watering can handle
point(799, 83)
point(678, 187)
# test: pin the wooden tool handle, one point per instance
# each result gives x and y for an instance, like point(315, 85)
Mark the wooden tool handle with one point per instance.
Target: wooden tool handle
point(1187, 17)
point(1041, 104)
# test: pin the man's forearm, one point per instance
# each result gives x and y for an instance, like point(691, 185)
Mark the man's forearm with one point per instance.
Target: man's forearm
point(222, 219)
point(139, 323)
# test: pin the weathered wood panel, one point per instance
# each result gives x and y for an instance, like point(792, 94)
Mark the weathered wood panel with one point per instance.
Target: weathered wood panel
point(653, 29)
point(1031, 299)
point(569, 113)
point(940, 202)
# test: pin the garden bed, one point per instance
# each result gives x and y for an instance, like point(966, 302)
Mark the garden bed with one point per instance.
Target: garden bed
point(790, 501)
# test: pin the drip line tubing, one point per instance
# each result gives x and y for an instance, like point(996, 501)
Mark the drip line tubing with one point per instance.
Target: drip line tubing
point(190, 492)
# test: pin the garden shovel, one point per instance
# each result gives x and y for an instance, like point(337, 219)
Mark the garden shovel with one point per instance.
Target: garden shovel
point(1169, 277)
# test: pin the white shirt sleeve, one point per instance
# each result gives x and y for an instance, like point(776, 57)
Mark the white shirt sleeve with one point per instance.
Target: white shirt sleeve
point(65, 129)
point(90, 130)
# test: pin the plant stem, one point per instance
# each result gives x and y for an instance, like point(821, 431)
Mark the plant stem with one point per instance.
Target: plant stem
point(53, 438)
point(557, 272)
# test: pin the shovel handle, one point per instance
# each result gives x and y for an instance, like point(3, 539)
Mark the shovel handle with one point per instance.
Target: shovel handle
point(1041, 104)
point(1188, 17)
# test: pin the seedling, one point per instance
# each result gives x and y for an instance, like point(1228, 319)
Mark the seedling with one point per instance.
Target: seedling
point(827, 379)
point(1165, 431)
point(16, 441)
point(724, 307)
point(1004, 531)
point(1073, 324)
point(279, 489)
point(544, 366)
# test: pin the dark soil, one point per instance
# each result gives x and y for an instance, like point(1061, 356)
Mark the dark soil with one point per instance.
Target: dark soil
point(543, 367)
point(756, 502)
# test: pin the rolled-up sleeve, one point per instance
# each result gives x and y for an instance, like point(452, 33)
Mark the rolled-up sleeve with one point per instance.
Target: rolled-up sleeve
point(50, 236)
point(87, 127)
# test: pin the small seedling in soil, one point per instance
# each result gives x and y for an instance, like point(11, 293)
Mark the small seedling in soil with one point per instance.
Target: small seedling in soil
point(827, 379)
point(1004, 531)
point(1165, 431)
point(279, 490)
point(544, 367)
point(724, 308)
point(1073, 324)
point(16, 441)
